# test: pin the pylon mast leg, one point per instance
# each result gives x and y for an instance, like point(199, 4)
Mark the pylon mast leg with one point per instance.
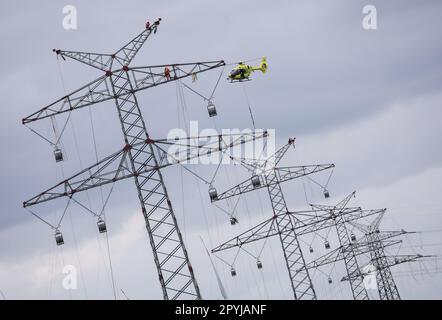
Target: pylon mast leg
point(348, 248)
point(300, 280)
point(171, 259)
point(386, 285)
point(350, 260)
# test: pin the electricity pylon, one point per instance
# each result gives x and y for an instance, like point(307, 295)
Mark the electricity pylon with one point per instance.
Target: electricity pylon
point(374, 245)
point(360, 247)
point(305, 222)
point(142, 157)
point(388, 262)
point(268, 175)
point(387, 287)
point(351, 263)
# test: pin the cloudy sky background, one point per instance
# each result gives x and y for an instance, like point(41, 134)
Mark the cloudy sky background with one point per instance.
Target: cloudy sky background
point(367, 101)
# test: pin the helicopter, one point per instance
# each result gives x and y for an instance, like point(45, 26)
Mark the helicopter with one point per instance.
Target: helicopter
point(242, 71)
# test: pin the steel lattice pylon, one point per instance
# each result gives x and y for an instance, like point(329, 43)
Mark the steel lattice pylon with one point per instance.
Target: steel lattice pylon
point(373, 244)
point(305, 222)
point(301, 282)
point(283, 223)
point(364, 247)
point(387, 287)
point(142, 157)
point(349, 256)
point(384, 280)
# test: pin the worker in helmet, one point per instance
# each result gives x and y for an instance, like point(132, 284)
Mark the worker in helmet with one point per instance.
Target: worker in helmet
point(167, 73)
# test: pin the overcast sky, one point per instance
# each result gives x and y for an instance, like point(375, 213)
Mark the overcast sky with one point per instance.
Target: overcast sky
point(367, 101)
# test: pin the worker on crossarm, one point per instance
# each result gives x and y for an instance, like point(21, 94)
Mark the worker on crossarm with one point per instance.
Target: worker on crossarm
point(167, 73)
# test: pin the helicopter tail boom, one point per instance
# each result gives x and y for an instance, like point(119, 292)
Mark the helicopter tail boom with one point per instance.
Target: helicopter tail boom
point(262, 66)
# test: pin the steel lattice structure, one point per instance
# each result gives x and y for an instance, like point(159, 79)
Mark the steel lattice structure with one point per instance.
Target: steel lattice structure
point(390, 261)
point(305, 222)
point(387, 287)
point(373, 244)
point(268, 175)
point(142, 157)
point(349, 256)
point(360, 247)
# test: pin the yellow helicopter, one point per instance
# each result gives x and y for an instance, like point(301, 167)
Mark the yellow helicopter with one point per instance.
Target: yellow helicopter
point(242, 71)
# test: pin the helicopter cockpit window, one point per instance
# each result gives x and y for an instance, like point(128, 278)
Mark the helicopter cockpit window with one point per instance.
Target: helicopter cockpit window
point(235, 72)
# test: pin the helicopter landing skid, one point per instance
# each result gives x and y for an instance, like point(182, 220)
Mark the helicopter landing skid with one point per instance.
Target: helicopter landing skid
point(241, 80)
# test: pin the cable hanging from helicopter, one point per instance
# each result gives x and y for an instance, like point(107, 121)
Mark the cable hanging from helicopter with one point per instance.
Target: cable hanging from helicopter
point(241, 73)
